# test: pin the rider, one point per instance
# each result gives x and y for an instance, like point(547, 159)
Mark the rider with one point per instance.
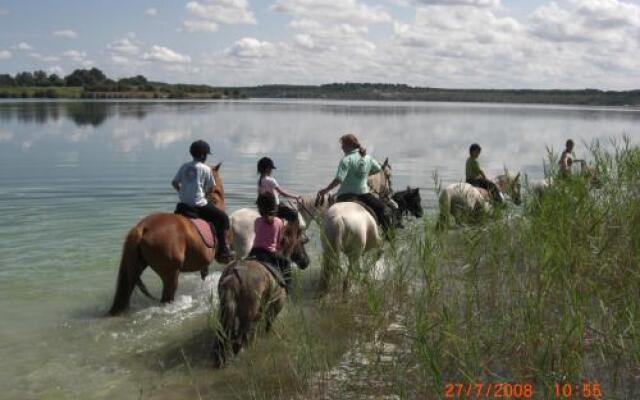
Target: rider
point(268, 184)
point(475, 176)
point(269, 230)
point(194, 181)
point(353, 171)
point(566, 159)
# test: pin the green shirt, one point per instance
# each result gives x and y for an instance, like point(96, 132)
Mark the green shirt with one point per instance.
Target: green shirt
point(353, 172)
point(472, 169)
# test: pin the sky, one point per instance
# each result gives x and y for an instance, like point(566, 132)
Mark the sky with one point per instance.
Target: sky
point(537, 44)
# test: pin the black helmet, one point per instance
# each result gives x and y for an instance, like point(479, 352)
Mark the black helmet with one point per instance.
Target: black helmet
point(267, 203)
point(199, 148)
point(474, 147)
point(265, 164)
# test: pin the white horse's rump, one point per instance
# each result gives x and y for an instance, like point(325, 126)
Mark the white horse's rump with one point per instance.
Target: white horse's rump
point(348, 228)
point(464, 201)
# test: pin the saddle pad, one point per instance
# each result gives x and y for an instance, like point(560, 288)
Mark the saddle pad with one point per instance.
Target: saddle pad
point(274, 270)
point(206, 231)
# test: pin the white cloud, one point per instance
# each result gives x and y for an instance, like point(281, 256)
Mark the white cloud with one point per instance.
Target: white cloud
point(66, 33)
point(207, 15)
point(124, 46)
point(5, 54)
point(198, 25)
point(251, 48)
point(165, 54)
point(473, 3)
point(22, 46)
point(56, 69)
point(44, 57)
point(75, 55)
point(152, 12)
point(587, 20)
point(346, 11)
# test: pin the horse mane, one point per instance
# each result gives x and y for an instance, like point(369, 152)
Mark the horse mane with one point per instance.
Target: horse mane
point(216, 196)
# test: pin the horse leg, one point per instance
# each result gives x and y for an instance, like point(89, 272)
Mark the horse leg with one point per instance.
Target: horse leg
point(169, 285)
point(330, 267)
point(274, 309)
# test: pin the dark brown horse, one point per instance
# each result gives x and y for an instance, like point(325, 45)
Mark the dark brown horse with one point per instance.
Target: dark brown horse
point(169, 244)
point(250, 296)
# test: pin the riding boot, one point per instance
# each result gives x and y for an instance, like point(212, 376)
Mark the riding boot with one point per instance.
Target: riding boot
point(224, 254)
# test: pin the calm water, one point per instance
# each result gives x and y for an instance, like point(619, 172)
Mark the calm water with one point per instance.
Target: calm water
point(75, 176)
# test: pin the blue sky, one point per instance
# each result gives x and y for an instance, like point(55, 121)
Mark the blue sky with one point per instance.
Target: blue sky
point(440, 43)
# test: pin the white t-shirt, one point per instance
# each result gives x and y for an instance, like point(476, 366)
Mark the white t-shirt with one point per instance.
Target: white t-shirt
point(269, 184)
point(195, 179)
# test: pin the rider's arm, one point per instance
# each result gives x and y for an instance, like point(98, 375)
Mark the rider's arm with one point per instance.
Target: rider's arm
point(286, 194)
point(334, 183)
point(176, 179)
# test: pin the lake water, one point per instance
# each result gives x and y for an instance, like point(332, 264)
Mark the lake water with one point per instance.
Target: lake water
point(75, 176)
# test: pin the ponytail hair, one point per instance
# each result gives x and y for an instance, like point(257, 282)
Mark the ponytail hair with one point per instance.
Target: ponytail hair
point(352, 141)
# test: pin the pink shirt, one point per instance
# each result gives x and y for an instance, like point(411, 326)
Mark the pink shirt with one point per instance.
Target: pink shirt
point(268, 236)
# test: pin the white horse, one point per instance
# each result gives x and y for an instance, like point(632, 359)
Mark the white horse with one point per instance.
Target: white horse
point(464, 201)
point(349, 228)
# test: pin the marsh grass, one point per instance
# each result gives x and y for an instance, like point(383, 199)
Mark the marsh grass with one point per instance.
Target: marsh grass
point(547, 294)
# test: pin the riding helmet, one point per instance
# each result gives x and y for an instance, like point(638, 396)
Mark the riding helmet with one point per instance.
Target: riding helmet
point(267, 203)
point(199, 148)
point(265, 164)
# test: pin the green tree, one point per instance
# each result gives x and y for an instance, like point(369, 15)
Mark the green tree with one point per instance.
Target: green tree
point(55, 80)
point(24, 79)
point(7, 80)
point(40, 78)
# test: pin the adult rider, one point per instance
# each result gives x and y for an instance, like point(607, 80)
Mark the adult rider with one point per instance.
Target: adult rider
point(353, 171)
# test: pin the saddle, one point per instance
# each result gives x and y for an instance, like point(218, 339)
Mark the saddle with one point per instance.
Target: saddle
point(205, 229)
point(273, 269)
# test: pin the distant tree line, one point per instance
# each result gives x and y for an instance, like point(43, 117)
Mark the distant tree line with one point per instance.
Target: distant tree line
point(95, 84)
point(381, 91)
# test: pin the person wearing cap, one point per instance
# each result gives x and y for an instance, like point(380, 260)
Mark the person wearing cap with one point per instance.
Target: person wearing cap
point(268, 184)
point(269, 229)
point(353, 172)
point(475, 176)
point(193, 181)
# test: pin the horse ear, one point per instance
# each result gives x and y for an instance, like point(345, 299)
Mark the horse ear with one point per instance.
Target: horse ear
point(517, 178)
point(385, 163)
point(217, 167)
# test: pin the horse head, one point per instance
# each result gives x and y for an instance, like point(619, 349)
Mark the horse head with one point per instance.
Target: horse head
point(380, 183)
point(292, 244)
point(216, 196)
point(511, 185)
point(409, 201)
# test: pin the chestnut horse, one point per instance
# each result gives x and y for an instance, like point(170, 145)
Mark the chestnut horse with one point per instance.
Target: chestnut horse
point(250, 297)
point(169, 244)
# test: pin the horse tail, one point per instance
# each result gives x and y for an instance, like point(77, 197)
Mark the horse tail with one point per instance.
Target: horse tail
point(444, 202)
point(228, 315)
point(131, 266)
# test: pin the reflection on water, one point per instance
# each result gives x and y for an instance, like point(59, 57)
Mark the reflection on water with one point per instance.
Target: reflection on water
point(74, 176)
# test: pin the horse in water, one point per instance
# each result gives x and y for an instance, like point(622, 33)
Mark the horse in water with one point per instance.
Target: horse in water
point(349, 228)
point(463, 201)
point(169, 244)
point(249, 295)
